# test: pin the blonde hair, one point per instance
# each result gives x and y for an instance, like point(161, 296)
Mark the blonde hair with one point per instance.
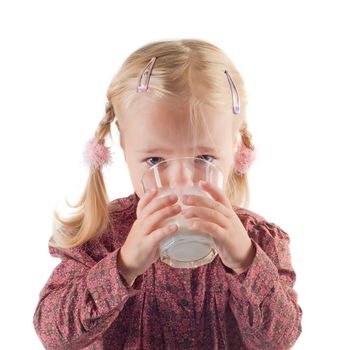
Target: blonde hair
point(189, 70)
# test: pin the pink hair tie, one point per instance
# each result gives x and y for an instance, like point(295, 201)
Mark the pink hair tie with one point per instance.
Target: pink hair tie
point(243, 159)
point(96, 155)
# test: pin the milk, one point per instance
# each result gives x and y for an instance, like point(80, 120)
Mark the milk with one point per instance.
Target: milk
point(185, 248)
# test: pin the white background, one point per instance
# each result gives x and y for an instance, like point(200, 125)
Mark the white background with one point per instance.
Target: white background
point(57, 60)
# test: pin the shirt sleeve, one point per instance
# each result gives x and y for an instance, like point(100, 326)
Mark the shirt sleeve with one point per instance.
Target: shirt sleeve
point(262, 297)
point(79, 302)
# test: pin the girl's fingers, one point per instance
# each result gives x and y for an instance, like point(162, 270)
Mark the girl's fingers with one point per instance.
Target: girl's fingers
point(153, 221)
point(207, 228)
point(216, 193)
point(144, 201)
point(206, 202)
point(206, 214)
point(158, 235)
point(156, 204)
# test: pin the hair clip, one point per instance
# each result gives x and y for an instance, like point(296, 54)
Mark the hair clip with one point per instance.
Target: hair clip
point(145, 76)
point(235, 99)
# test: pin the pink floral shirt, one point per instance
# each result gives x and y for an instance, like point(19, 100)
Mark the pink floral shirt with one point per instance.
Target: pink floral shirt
point(86, 304)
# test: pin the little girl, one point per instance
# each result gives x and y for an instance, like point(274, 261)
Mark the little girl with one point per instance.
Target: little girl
point(170, 99)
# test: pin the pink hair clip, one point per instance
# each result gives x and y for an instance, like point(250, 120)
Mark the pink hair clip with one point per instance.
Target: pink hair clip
point(235, 94)
point(243, 159)
point(96, 155)
point(144, 79)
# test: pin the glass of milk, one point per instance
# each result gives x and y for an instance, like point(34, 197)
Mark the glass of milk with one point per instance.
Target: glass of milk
point(185, 249)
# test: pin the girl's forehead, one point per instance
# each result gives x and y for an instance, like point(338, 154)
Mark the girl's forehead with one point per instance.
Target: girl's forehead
point(151, 131)
point(176, 119)
point(149, 135)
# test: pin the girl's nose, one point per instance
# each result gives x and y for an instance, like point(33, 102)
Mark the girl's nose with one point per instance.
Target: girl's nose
point(180, 172)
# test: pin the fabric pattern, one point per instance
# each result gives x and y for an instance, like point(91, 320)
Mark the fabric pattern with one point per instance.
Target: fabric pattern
point(86, 303)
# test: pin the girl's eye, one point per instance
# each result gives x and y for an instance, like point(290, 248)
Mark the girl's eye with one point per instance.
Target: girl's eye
point(206, 155)
point(152, 163)
point(150, 160)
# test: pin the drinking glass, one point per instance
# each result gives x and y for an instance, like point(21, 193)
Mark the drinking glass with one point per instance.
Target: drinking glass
point(185, 249)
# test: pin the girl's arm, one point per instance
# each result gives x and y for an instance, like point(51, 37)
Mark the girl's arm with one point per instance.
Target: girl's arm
point(79, 302)
point(262, 298)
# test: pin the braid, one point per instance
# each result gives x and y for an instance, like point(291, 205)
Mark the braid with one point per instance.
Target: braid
point(104, 127)
point(246, 136)
point(93, 219)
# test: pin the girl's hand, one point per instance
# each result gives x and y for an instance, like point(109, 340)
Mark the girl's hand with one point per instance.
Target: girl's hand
point(217, 218)
point(141, 247)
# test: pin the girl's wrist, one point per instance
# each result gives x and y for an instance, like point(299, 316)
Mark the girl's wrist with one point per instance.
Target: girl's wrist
point(246, 263)
point(123, 270)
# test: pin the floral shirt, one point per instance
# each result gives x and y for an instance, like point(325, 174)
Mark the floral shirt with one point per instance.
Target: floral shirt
point(86, 303)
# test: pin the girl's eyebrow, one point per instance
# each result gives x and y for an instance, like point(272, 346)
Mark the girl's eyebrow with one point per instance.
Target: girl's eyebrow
point(159, 149)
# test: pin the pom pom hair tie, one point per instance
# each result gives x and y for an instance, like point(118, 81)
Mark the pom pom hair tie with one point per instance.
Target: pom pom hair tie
point(96, 155)
point(243, 159)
